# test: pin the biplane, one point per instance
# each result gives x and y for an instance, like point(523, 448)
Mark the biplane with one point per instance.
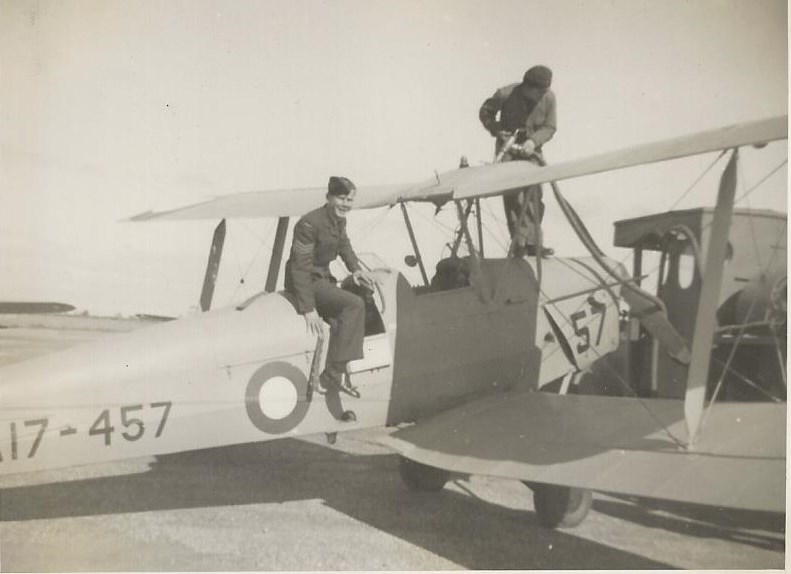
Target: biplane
point(472, 365)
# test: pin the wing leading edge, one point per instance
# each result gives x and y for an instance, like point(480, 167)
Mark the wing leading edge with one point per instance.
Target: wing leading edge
point(272, 203)
point(611, 444)
point(479, 181)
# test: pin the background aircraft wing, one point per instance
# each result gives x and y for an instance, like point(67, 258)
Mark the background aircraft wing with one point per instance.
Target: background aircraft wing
point(611, 444)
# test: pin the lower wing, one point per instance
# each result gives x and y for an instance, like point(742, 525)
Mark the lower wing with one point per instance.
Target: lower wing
point(621, 445)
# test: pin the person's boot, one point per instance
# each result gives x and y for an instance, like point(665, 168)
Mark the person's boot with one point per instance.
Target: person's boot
point(531, 251)
point(335, 377)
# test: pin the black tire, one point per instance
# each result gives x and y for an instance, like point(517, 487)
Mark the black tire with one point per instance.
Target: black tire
point(560, 506)
point(421, 477)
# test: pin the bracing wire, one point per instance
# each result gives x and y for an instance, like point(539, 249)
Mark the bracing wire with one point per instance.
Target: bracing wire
point(374, 223)
point(698, 180)
point(262, 242)
point(582, 231)
point(763, 179)
point(726, 369)
point(757, 251)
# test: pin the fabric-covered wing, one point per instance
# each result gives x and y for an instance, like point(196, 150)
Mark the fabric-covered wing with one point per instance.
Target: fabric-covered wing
point(273, 203)
point(611, 444)
point(749, 133)
point(478, 181)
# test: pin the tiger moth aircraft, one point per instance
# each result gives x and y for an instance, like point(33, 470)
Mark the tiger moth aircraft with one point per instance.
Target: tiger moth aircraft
point(463, 363)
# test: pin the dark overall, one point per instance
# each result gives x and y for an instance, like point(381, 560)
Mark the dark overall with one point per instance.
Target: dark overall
point(319, 238)
point(538, 122)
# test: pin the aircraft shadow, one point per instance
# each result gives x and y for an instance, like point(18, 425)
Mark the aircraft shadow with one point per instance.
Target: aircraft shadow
point(698, 520)
point(465, 530)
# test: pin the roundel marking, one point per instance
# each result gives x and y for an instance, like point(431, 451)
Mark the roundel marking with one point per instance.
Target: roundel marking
point(275, 397)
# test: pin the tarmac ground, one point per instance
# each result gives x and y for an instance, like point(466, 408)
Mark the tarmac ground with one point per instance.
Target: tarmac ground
point(304, 505)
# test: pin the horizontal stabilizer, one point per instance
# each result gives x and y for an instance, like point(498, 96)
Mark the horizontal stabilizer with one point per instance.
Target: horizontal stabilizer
point(611, 444)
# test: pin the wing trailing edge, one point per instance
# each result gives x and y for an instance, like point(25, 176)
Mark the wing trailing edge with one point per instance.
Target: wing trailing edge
point(611, 444)
point(479, 181)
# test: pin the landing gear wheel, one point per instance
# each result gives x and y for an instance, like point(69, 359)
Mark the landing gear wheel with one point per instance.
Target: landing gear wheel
point(560, 506)
point(422, 477)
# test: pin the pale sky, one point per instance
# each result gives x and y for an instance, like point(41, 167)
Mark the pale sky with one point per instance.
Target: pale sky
point(108, 109)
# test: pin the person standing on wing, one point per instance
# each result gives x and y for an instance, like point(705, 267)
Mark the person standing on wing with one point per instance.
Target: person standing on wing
point(530, 108)
point(319, 238)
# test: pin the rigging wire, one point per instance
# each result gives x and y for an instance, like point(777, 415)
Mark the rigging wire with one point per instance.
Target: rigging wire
point(493, 236)
point(756, 249)
point(736, 202)
point(262, 242)
point(698, 180)
point(763, 179)
point(501, 224)
point(736, 343)
point(579, 227)
point(727, 366)
point(435, 221)
point(374, 223)
point(747, 381)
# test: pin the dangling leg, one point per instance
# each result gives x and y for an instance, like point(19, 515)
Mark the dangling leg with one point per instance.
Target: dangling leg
point(347, 314)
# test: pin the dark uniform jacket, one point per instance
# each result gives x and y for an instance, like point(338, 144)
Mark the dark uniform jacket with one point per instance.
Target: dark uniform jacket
point(537, 119)
point(319, 237)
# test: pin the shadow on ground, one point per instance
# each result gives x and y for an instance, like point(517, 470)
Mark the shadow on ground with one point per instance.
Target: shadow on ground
point(465, 530)
point(698, 520)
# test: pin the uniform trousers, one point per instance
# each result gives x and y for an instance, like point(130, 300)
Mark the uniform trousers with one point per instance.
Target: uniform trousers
point(345, 312)
point(524, 229)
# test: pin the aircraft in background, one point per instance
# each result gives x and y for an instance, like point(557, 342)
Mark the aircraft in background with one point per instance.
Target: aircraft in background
point(464, 356)
point(34, 307)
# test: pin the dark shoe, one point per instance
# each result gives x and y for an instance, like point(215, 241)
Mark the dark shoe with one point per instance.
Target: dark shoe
point(348, 388)
point(332, 380)
point(545, 251)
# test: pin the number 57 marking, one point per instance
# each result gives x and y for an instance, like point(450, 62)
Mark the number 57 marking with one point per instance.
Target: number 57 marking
point(581, 330)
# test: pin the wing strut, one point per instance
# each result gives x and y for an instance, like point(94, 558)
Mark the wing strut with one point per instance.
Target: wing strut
point(212, 266)
point(474, 260)
point(709, 299)
point(480, 225)
point(460, 233)
point(277, 254)
point(411, 232)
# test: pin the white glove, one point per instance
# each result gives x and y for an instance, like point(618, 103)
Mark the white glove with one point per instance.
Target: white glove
point(526, 149)
point(364, 278)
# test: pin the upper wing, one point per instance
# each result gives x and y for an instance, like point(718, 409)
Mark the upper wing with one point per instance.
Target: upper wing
point(273, 203)
point(481, 180)
point(611, 444)
point(756, 132)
